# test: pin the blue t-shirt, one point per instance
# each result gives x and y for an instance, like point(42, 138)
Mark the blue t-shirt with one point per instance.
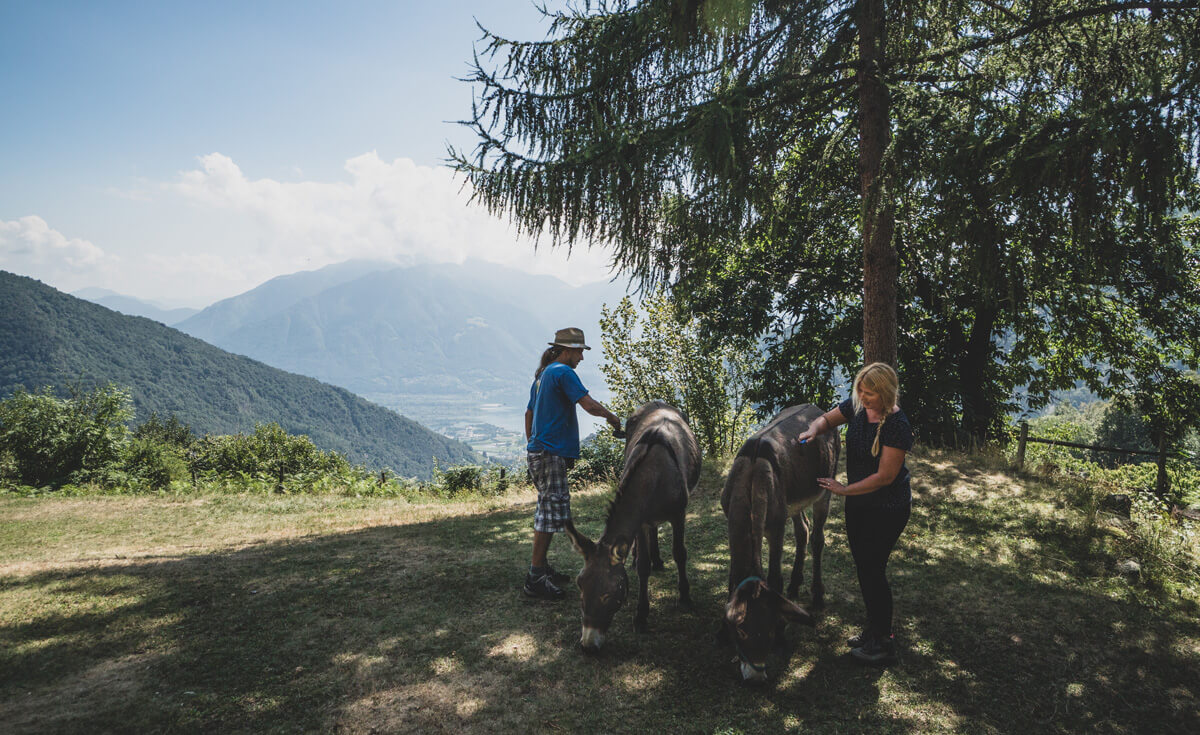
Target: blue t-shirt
point(552, 400)
point(860, 435)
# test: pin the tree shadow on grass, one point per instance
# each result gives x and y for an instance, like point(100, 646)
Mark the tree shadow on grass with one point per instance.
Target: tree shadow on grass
point(422, 628)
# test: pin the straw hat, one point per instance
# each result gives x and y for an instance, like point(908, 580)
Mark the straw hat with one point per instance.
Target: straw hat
point(570, 337)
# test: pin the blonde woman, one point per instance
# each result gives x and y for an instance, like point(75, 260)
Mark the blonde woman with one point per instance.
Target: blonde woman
point(878, 495)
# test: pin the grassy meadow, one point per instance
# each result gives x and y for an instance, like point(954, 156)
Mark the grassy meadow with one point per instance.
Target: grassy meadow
point(325, 613)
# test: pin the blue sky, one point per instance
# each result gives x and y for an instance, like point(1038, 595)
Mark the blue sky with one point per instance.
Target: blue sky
point(184, 152)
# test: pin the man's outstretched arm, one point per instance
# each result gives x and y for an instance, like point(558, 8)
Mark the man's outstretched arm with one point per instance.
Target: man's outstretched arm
point(595, 408)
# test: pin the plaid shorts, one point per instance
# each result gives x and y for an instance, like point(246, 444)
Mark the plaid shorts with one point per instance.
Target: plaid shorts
point(549, 475)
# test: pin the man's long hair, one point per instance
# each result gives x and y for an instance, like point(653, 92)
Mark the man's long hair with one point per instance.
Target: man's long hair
point(550, 355)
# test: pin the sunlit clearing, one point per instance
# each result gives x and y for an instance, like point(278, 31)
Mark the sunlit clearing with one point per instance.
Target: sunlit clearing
point(518, 647)
point(443, 666)
point(468, 707)
point(925, 714)
point(362, 666)
point(797, 673)
point(641, 678)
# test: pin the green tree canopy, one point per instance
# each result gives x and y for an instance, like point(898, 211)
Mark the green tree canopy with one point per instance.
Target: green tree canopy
point(1032, 168)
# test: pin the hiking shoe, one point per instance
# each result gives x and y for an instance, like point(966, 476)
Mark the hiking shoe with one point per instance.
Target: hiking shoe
point(876, 650)
point(542, 588)
point(557, 577)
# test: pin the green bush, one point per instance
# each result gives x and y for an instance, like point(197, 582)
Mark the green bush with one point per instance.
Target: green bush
point(172, 432)
point(601, 459)
point(457, 480)
point(270, 453)
point(1166, 550)
point(460, 479)
point(50, 440)
point(1121, 429)
point(155, 464)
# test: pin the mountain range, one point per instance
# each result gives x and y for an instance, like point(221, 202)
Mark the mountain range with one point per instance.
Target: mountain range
point(133, 306)
point(435, 341)
point(48, 338)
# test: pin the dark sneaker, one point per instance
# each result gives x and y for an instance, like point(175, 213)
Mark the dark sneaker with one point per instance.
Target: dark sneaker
point(542, 588)
point(876, 650)
point(858, 640)
point(557, 577)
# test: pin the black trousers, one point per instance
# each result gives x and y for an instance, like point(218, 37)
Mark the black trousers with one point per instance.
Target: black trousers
point(872, 533)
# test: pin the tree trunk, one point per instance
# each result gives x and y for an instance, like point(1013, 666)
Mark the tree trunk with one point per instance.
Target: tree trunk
point(880, 263)
point(977, 409)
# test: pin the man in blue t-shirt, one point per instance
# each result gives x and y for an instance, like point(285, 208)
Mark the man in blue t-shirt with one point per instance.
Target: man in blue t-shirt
point(552, 430)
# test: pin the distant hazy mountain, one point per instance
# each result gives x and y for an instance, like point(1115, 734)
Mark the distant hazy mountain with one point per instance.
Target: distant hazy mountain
point(460, 331)
point(222, 318)
point(50, 338)
point(133, 306)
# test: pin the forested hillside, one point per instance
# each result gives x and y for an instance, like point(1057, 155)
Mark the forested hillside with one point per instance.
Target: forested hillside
point(50, 338)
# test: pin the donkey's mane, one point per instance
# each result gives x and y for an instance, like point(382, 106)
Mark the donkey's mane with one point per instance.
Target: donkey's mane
point(651, 438)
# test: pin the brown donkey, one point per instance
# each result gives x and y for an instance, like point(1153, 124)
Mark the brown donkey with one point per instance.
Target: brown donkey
point(662, 466)
point(774, 478)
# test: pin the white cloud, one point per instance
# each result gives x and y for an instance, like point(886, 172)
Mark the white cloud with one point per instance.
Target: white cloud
point(29, 246)
point(390, 211)
point(215, 232)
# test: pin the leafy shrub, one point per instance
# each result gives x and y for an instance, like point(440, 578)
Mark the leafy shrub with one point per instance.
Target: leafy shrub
point(601, 459)
point(172, 432)
point(50, 439)
point(1119, 428)
point(8, 468)
point(1166, 550)
point(468, 478)
point(270, 452)
point(155, 464)
point(460, 479)
point(498, 480)
point(660, 351)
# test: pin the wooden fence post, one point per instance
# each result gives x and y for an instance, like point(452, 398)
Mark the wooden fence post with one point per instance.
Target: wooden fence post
point(1021, 445)
point(1163, 483)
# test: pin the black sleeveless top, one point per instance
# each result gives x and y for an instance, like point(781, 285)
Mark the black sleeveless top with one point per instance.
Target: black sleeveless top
point(860, 435)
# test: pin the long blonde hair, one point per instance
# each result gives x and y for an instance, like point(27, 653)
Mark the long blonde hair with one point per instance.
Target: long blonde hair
point(881, 379)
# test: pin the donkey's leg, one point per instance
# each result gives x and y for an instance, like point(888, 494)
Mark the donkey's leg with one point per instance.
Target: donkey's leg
point(774, 533)
point(643, 570)
point(820, 513)
point(656, 562)
point(679, 552)
point(800, 527)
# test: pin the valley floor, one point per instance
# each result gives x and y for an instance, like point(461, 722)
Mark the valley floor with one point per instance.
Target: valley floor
point(241, 613)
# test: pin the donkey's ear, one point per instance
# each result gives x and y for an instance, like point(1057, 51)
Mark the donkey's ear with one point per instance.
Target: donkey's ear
point(581, 543)
point(792, 612)
point(620, 550)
